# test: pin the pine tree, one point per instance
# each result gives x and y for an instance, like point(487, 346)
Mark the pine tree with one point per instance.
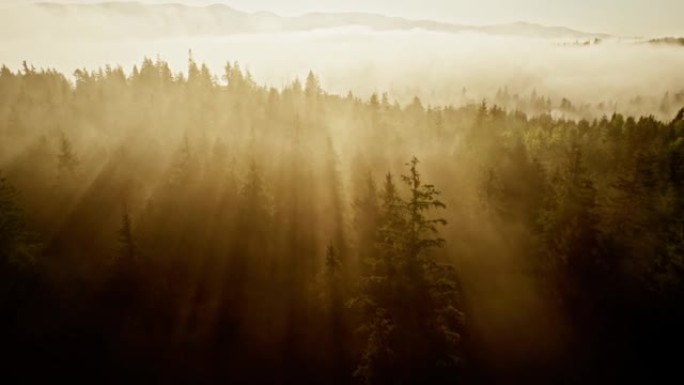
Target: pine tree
point(392, 221)
point(15, 248)
point(410, 300)
point(570, 227)
point(312, 87)
point(67, 160)
point(17, 256)
point(367, 217)
point(432, 286)
point(127, 246)
point(377, 327)
point(422, 230)
point(374, 102)
point(254, 213)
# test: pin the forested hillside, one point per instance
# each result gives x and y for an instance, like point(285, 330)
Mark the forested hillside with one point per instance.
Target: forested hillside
point(202, 228)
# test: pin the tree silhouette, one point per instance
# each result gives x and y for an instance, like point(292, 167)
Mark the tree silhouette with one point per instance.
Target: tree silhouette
point(67, 160)
point(411, 301)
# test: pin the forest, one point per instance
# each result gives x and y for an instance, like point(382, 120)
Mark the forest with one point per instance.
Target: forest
point(160, 227)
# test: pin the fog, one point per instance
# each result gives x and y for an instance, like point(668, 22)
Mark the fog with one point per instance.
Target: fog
point(436, 66)
point(196, 196)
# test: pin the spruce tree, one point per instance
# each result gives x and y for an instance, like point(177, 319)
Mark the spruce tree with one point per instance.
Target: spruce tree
point(127, 245)
point(67, 160)
point(410, 300)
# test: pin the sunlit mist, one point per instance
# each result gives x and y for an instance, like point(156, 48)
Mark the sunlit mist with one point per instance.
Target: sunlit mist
point(360, 192)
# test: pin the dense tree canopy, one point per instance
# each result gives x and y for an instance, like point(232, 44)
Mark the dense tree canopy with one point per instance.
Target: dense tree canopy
point(164, 227)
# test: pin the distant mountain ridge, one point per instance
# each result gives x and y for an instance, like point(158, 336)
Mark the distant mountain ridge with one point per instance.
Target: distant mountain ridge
point(135, 19)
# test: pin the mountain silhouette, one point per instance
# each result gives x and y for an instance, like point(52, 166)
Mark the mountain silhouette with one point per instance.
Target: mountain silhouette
point(139, 20)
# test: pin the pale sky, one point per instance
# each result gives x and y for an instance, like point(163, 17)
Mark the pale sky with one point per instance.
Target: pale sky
point(623, 17)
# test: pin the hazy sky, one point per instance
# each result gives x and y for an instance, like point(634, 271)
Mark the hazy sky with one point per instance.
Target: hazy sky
point(626, 17)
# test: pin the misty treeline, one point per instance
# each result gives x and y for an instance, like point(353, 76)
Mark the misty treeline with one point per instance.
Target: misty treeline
point(663, 107)
point(193, 228)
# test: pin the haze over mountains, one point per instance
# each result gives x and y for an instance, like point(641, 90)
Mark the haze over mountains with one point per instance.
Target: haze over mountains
point(140, 20)
point(365, 53)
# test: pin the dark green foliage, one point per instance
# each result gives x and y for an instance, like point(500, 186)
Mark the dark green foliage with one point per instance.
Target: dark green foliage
point(367, 217)
point(570, 221)
point(249, 250)
point(412, 316)
point(17, 250)
point(422, 230)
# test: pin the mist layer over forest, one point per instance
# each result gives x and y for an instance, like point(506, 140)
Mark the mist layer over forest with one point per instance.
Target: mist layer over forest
point(181, 222)
point(363, 53)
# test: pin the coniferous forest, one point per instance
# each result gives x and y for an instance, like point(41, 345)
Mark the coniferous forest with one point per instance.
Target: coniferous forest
point(203, 228)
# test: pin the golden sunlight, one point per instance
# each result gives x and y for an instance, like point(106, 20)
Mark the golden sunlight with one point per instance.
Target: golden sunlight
point(341, 192)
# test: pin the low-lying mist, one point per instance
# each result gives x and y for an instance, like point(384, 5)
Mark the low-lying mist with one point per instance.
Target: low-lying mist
point(629, 75)
point(199, 209)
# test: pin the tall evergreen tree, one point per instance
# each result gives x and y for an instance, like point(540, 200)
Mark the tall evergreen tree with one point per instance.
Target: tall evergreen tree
point(128, 250)
point(15, 248)
point(67, 160)
point(413, 319)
